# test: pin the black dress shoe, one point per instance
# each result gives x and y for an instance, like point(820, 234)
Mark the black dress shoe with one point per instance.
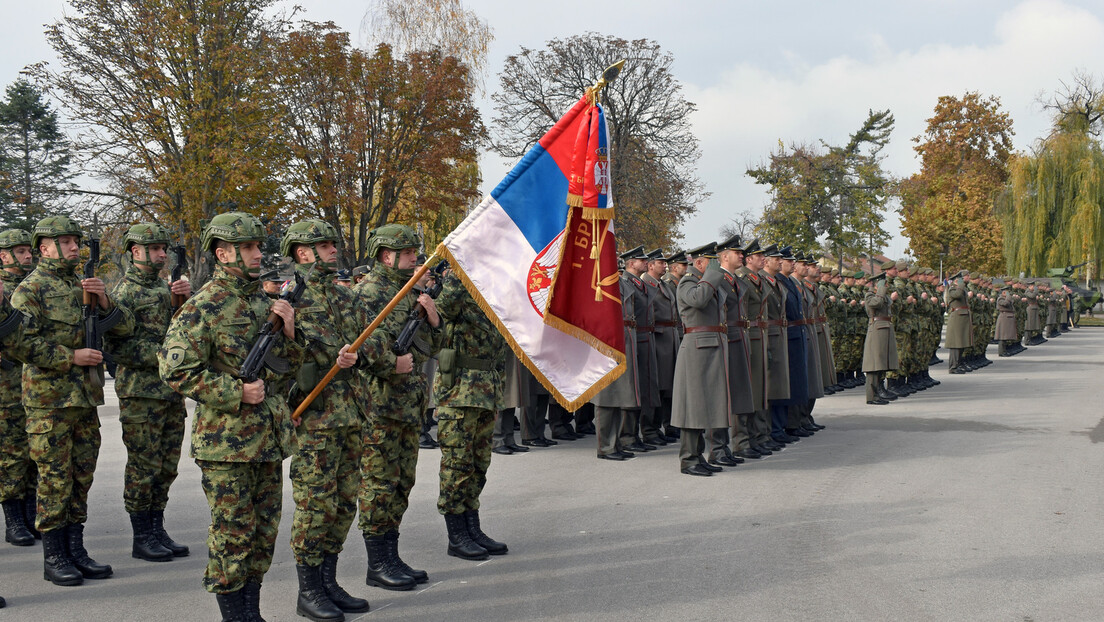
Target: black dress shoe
point(566, 436)
point(772, 445)
point(536, 442)
point(502, 450)
point(640, 447)
point(724, 461)
point(709, 467)
point(748, 454)
point(614, 456)
point(656, 441)
point(816, 426)
point(627, 454)
point(517, 449)
point(762, 450)
point(697, 470)
point(548, 442)
point(648, 446)
point(877, 402)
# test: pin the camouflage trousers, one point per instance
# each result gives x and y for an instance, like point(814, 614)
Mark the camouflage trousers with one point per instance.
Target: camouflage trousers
point(245, 501)
point(64, 444)
point(153, 432)
point(325, 479)
point(903, 345)
point(465, 437)
point(388, 466)
point(17, 470)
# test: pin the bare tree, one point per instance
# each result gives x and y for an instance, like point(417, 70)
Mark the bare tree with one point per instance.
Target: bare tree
point(652, 148)
point(1078, 105)
point(743, 223)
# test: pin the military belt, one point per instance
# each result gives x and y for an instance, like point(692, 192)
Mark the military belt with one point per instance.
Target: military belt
point(474, 363)
point(741, 324)
point(666, 324)
point(958, 308)
point(781, 323)
point(882, 318)
point(705, 329)
point(645, 329)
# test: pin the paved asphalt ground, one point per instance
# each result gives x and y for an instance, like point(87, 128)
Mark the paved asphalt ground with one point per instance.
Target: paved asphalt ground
point(976, 500)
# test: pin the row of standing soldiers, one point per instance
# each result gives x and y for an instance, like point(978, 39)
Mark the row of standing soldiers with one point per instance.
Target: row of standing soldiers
point(353, 448)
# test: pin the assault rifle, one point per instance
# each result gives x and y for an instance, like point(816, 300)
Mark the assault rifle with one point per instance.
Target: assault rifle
point(177, 272)
point(417, 315)
point(94, 325)
point(260, 354)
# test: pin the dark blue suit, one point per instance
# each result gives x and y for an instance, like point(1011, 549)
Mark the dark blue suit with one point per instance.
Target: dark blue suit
point(797, 347)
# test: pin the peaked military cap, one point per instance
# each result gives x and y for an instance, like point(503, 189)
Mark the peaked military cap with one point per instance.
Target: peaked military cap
point(888, 265)
point(636, 253)
point(708, 250)
point(753, 247)
point(732, 244)
point(678, 257)
point(656, 255)
point(859, 274)
point(772, 251)
point(787, 252)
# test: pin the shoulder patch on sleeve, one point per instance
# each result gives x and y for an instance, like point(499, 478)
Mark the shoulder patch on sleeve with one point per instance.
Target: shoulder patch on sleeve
point(174, 357)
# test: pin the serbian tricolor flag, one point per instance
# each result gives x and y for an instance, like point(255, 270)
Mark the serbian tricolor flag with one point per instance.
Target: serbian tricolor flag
point(539, 257)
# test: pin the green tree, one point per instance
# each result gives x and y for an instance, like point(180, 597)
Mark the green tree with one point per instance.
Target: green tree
point(35, 160)
point(653, 151)
point(179, 102)
point(1051, 209)
point(948, 207)
point(835, 193)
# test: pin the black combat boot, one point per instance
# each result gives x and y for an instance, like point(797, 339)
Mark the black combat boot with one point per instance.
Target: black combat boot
point(30, 513)
point(88, 567)
point(392, 536)
point(493, 547)
point(460, 543)
point(16, 532)
point(157, 523)
point(145, 545)
point(313, 602)
point(883, 392)
point(56, 566)
point(335, 592)
point(231, 606)
point(382, 570)
point(251, 601)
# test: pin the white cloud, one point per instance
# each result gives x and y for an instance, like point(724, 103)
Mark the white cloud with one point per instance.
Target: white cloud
point(740, 119)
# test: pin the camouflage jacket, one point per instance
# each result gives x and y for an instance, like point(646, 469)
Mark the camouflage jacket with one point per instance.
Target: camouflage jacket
point(50, 299)
point(396, 396)
point(210, 336)
point(11, 368)
point(147, 296)
point(329, 317)
point(479, 353)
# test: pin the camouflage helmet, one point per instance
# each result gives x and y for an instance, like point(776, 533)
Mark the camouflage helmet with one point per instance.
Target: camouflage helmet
point(395, 237)
point(232, 227)
point(15, 237)
point(55, 227)
point(146, 233)
point(307, 232)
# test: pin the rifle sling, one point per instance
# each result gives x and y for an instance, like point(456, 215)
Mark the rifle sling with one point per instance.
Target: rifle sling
point(10, 323)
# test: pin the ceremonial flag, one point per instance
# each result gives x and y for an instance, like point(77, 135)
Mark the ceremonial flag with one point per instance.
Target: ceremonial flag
point(539, 257)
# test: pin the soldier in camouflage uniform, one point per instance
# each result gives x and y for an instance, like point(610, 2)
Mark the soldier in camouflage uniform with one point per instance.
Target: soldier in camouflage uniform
point(399, 390)
point(17, 470)
point(60, 395)
point(242, 431)
point(468, 392)
point(325, 471)
point(150, 413)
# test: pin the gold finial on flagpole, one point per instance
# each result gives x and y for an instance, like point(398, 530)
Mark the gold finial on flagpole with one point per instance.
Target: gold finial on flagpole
point(609, 75)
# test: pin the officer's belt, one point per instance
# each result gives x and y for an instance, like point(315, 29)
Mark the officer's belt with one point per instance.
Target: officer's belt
point(882, 318)
point(802, 322)
point(705, 329)
point(781, 323)
point(741, 324)
point(474, 363)
point(665, 324)
point(958, 308)
point(645, 329)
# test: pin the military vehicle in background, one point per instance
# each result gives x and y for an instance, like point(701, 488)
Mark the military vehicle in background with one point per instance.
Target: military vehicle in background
point(1085, 299)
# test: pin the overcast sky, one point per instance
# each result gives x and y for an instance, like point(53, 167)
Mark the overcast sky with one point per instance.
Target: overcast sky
point(760, 72)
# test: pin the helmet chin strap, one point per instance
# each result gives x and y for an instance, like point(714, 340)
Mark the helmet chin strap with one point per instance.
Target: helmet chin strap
point(13, 264)
point(157, 266)
point(328, 266)
point(71, 263)
point(249, 273)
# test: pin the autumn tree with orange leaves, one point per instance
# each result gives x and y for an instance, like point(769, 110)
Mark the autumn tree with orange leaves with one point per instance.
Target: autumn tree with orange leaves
point(376, 138)
point(948, 207)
